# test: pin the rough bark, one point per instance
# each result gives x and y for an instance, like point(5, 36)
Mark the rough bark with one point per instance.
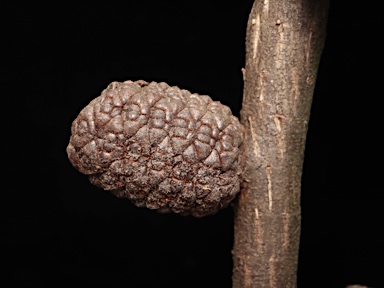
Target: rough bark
point(283, 48)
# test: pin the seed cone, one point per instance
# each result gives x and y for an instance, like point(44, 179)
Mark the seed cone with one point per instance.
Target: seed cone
point(159, 146)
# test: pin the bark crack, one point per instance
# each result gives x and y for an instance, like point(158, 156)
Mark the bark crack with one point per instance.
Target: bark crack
point(269, 185)
point(256, 23)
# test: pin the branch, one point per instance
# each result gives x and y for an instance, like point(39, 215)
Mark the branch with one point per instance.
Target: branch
point(283, 48)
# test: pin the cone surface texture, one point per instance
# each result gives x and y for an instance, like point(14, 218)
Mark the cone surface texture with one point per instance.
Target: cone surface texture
point(159, 146)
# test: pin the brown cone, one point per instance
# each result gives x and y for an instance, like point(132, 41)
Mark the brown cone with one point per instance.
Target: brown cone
point(159, 146)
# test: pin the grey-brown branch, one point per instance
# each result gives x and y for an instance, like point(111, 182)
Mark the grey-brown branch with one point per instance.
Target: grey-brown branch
point(159, 146)
point(283, 48)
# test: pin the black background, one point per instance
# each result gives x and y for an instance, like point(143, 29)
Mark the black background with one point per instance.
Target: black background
point(57, 230)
